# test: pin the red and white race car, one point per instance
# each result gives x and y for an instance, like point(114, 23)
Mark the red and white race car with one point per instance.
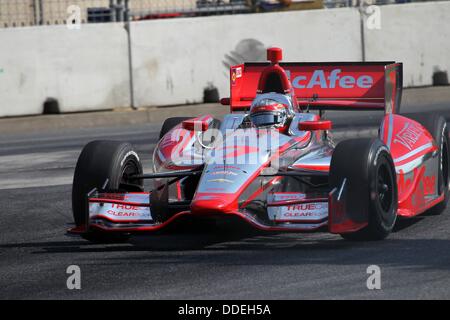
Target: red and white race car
point(271, 162)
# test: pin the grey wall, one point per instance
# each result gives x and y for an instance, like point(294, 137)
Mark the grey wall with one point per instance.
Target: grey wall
point(174, 60)
point(416, 34)
point(84, 69)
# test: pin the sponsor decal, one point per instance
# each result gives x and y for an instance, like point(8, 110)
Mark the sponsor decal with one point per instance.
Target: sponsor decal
point(220, 180)
point(214, 190)
point(233, 77)
point(122, 214)
point(119, 211)
point(298, 212)
point(409, 135)
point(206, 197)
point(238, 72)
point(225, 167)
point(112, 196)
point(330, 80)
point(222, 172)
point(285, 196)
point(427, 183)
point(306, 210)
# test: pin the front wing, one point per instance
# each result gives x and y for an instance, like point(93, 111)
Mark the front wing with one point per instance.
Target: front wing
point(286, 211)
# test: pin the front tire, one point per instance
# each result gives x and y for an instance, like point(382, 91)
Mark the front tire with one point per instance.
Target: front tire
point(371, 186)
point(171, 123)
point(100, 162)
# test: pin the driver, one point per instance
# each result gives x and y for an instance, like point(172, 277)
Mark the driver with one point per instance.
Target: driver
point(272, 110)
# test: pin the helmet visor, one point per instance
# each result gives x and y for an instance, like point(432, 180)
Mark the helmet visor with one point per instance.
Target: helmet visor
point(265, 119)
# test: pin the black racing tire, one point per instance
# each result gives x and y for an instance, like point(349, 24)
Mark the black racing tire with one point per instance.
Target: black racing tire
point(437, 127)
point(371, 186)
point(170, 123)
point(102, 161)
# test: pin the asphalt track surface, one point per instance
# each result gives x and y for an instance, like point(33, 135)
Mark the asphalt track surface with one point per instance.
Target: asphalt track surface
point(35, 189)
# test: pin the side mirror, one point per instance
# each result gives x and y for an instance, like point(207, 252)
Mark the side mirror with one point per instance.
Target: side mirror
point(197, 124)
point(225, 101)
point(315, 125)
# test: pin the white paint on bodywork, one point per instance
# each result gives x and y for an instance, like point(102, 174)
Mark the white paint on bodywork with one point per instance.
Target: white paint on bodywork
point(123, 212)
point(310, 211)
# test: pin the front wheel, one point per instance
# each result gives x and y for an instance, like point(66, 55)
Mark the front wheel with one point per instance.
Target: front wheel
point(100, 162)
point(171, 123)
point(369, 170)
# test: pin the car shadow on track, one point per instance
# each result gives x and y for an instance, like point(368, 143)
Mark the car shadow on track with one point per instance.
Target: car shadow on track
point(241, 238)
point(214, 239)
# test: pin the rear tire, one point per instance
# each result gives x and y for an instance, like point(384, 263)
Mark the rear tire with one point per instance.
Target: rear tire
point(437, 127)
point(102, 161)
point(371, 186)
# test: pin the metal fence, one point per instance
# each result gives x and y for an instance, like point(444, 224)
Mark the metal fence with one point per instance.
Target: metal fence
point(17, 13)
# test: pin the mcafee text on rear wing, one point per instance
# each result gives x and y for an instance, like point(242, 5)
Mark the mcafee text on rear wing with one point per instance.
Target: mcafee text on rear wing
point(327, 85)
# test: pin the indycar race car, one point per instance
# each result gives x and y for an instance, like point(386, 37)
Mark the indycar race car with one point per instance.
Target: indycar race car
point(271, 162)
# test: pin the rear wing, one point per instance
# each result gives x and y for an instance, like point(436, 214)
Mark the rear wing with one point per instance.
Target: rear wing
point(327, 85)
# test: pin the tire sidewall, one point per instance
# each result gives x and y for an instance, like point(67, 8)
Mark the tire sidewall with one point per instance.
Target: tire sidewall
point(380, 220)
point(122, 158)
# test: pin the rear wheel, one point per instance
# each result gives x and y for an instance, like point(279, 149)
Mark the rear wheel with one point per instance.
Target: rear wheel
point(106, 164)
point(367, 166)
point(437, 126)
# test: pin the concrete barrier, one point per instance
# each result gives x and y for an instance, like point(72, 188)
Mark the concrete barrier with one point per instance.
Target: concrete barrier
point(416, 34)
point(84, 69)
point(174, 60)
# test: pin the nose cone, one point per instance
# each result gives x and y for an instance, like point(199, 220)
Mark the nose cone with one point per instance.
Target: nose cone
point(217, 203)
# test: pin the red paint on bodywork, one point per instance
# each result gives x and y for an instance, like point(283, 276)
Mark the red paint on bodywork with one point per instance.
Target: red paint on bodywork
point(315, 125)
point(416, 194)
point(222, 202)
point(338, 220)
point(403, 135)
point(408, 142)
